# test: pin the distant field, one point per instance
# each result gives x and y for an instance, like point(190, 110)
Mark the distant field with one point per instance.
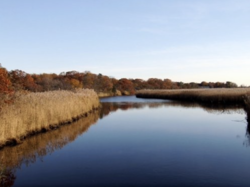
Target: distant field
point(210, 96)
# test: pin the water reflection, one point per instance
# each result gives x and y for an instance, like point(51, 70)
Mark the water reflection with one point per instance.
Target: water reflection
point(37, 147)
point(247, 141)
point(7, 177)
point(108, 107)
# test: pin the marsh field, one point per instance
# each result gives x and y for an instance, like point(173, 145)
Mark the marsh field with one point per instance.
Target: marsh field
point(31, 113)
point(221, 96)
point(133, 141)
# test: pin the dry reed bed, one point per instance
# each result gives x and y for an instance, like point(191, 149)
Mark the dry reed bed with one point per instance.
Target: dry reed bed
point(211, 96)
point(35, 112)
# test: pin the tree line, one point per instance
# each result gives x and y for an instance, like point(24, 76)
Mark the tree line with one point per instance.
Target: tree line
point(17, 80)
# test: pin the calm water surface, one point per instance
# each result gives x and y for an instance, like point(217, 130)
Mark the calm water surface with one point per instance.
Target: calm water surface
point(138, 142)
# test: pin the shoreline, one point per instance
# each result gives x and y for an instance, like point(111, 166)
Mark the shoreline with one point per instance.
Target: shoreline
point(19, 140)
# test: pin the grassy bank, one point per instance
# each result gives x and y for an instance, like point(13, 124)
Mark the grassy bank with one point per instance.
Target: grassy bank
point(209, 96)
point(36, 112)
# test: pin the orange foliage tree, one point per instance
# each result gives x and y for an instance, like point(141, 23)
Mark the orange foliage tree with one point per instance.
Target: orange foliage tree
point(22, 81)
point(125, 85)
point(5, 86)
point(75, 83)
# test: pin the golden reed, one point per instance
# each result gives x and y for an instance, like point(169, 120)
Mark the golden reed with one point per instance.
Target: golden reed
point(210, 96)
point(36, 112)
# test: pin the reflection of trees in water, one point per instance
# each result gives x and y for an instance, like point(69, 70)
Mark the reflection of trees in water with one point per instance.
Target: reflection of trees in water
point(7, 177)
point(108, 107)
point(211, 108)
point(36, 147)
point(248, 115)
point(215, 109)
point(247, 141)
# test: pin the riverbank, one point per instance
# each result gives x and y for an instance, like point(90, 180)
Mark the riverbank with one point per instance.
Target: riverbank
point(210, 96)
point(39, 112)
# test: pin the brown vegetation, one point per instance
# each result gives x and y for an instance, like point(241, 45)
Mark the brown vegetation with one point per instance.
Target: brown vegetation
point(20, 80)
point(34, 112)
point(69, 81)
point(5, 87)
point(214, 97)
point(210, 96)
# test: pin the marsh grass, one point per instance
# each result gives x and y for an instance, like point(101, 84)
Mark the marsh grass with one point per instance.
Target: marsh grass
point(210, 96)
point(36, 112)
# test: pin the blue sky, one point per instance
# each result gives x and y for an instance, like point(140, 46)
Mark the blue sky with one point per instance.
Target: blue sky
point(183, 40)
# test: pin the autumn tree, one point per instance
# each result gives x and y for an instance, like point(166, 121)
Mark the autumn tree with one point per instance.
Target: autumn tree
point(103, 83)
point(88, 79)
point(211, 84)
point(17, 78)
point(175, 85)
point(139, 84)
point(193, 85)
point(203, 83)
point(219, 85)
point(48, 82)
point(29, 83)
point(106, 84)
point(180, 84)
point(5, 86)
point(125, 85)
point(155, 83)
point(167, 84)
point(231, 84)
point(75, 83)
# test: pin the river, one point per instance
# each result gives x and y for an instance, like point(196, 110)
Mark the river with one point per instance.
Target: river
point(137, 142)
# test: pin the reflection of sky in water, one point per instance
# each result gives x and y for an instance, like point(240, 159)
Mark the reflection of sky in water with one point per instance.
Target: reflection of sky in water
point(166, 145)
